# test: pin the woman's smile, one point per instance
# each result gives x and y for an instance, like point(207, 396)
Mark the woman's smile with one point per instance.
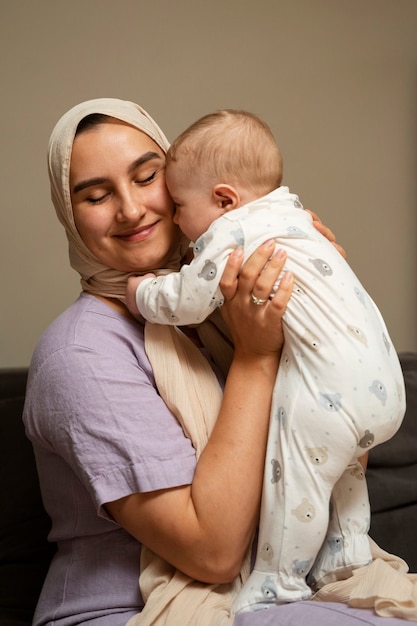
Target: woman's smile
point(141, 233)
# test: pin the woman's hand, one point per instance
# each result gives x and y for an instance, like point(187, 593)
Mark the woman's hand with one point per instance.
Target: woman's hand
point(326, 232)
point(256, 328)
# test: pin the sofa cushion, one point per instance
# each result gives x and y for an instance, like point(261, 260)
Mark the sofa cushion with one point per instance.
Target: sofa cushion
point(24, 552)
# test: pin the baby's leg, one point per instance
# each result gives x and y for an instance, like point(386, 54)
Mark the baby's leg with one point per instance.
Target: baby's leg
point(346, 546)
point(304, 459)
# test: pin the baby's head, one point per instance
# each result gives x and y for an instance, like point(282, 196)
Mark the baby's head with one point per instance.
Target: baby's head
point(228, 150)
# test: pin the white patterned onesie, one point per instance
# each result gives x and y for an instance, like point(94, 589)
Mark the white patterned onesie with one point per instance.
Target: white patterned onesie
point(339, 392)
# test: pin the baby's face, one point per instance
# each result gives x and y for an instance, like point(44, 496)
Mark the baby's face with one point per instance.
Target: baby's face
point(195, 204)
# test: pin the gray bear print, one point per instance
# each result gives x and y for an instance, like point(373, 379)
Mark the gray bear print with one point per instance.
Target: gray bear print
point(294, 231)
point(330, 402)
point(276, 471)
point(281, 416)
point(201, 243)
point(378, 389)
point(335, 545)
point(209, 270)
point(366, 440)
point(269, 589)
point(323, 267)
point(238, 236)
point(301, 568)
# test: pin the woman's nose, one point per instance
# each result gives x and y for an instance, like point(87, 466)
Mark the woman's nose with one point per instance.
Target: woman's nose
point(130, 207)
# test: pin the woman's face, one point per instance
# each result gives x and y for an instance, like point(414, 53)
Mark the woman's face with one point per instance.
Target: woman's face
point(122, 209)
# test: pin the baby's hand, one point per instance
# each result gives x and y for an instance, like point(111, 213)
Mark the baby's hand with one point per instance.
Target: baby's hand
point(133, 283)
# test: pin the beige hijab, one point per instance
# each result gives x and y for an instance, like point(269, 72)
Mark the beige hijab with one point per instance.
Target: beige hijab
point(96, 278)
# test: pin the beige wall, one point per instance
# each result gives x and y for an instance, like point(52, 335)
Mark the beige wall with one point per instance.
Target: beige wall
point(335, 79)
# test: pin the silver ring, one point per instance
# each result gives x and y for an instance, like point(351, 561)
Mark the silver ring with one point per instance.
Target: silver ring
point(258, 301)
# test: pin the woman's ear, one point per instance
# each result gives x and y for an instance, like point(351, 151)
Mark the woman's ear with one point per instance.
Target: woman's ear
point(226, 197)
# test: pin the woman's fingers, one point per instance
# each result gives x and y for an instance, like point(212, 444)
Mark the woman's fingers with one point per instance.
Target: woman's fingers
point(229, 280)
point(283, 293)
point(257, 277)
point(264, 284)
point(253, 305)
point(326, 232)
point(240, 276)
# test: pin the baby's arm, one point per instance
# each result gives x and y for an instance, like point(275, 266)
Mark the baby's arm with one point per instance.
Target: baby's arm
point(184, 297)
point(133, 283)
point(188, 296)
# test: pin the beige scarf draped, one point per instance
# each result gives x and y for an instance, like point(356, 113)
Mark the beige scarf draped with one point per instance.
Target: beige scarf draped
point(190, 389)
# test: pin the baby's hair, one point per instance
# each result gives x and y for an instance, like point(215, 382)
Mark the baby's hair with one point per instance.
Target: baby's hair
point(231, 146)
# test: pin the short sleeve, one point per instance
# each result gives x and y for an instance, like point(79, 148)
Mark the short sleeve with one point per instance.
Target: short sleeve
point(93, 411)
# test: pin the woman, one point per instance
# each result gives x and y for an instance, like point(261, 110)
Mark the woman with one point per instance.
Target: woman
point(115, 467)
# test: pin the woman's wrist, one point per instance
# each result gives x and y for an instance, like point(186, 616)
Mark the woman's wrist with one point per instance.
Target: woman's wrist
point(253, 363)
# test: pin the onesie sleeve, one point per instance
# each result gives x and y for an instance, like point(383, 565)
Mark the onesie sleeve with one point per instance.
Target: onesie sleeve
point(190, 295)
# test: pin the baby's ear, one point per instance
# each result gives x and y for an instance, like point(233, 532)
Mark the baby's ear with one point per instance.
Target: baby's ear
point(226, 196)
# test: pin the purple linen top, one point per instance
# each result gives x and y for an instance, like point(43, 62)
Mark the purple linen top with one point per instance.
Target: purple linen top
point(100, 431)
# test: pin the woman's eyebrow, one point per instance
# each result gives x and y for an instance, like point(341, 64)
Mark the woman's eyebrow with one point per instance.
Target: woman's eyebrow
point(92, 182)
point(144, 158)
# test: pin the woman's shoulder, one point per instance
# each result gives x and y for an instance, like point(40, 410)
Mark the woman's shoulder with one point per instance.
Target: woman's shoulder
point(81, 352)
point(90, 375)
point(90, 334)
point(88, 323)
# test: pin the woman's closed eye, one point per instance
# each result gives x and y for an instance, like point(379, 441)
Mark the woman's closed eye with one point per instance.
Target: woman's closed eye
point(152, 176)
point(149, 179)
point(97, 199)
point(101, 197)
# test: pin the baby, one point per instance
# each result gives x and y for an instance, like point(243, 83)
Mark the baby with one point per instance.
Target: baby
point(339, 390)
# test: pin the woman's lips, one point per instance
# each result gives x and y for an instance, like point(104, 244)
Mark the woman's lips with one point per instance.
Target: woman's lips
point(139, 234)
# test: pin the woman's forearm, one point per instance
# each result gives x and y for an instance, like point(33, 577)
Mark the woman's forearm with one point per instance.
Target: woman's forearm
point(227, 485)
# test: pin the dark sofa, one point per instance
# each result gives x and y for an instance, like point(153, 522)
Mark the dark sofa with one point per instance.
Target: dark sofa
point(24, 525)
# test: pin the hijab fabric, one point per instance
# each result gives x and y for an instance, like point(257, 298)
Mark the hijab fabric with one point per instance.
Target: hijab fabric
point(96, 278)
